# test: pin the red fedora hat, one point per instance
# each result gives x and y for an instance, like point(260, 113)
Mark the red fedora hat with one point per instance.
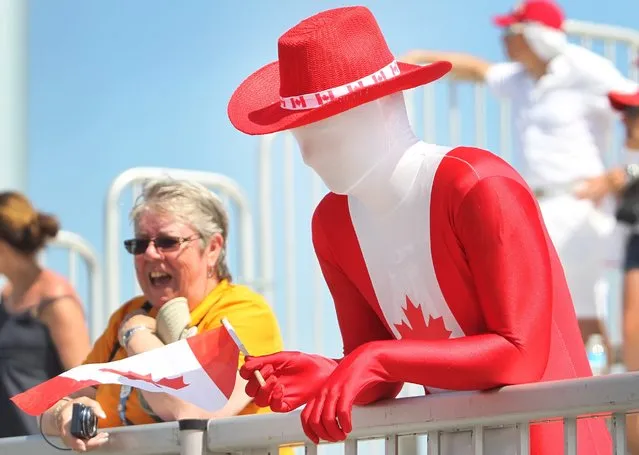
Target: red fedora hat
point(329, 63)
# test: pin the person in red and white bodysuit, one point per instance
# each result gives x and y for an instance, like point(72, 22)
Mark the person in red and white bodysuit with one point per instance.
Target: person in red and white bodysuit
point(561, 115)
point(440, 267)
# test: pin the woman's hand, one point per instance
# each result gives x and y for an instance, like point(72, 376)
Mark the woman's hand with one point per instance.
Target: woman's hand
point(62, 419)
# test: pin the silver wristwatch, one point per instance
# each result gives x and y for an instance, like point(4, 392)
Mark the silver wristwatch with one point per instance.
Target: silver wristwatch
point(126, 336)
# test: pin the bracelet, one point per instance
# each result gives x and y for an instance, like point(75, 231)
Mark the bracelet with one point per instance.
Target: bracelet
point(126, 336)
point(56, 413)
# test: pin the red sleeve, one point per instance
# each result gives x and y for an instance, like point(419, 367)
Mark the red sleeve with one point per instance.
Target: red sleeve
point(500, 230)
point(357, 321)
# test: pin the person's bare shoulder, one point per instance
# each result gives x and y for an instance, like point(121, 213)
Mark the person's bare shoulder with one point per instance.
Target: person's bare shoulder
point(55, 285)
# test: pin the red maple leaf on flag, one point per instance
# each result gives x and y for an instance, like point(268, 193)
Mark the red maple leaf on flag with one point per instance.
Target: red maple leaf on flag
point(171, 383)
point(418, 329)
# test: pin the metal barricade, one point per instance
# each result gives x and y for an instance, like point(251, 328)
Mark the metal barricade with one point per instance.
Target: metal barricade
point(470, 418)
point(611, 38)
point(77, 248)
point(241, 245)
point(156, 439)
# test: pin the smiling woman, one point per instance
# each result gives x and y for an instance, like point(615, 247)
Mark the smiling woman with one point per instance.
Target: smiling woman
point(180, 243)
point(179, 252)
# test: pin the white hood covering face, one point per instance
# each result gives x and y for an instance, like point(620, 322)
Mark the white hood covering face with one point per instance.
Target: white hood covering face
point(357, 151)
point(546, 42)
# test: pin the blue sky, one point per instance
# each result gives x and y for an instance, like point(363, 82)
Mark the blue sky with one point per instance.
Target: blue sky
point(114, 85)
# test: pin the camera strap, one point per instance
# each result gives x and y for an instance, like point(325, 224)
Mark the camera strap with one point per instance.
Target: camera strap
point(125, 390)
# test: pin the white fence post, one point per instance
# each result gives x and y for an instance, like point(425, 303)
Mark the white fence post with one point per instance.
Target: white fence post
point(192, 436)
point(77, 246)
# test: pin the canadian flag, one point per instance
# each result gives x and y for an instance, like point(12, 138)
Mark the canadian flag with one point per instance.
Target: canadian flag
point(201, 370)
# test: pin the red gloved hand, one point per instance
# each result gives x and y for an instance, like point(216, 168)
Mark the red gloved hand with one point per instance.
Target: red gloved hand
point(358, 379)
point(291, 378)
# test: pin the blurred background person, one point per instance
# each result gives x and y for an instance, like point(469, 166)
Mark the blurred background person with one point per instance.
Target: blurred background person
point(619, 180)
point(560, 109)
point(179, 250)
point(42, 326)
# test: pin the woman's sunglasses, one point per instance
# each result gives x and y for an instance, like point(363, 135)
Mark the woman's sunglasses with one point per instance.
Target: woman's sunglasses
point(161, 243)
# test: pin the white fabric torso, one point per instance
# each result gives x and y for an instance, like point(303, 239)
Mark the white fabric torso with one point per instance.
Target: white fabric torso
point(396, 249)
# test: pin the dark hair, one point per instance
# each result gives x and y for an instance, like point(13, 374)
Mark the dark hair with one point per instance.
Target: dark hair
point(631, 111)
point(24, 228)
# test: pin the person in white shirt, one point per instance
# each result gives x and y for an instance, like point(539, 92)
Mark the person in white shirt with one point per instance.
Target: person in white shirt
point(558, 93)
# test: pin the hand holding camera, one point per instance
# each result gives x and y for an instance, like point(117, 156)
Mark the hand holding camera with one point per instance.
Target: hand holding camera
point(77, 422)
point(84, 422)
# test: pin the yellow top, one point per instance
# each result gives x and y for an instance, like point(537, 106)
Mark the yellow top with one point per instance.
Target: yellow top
point(248, 312)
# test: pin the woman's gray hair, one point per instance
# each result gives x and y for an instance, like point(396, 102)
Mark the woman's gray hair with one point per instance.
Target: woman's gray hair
point(190, 203)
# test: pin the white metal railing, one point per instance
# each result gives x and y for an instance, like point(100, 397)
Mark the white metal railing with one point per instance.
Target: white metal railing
point(78, 248)
point(611, 36)
point(226, 188)
point(156, 439)
point(466, 420)
point(470, 416)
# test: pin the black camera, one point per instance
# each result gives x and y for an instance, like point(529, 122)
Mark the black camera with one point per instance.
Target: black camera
point(84, 423)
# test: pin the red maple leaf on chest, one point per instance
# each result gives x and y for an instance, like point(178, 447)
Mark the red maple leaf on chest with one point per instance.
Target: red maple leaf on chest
point(418, 329)
point(171, 383)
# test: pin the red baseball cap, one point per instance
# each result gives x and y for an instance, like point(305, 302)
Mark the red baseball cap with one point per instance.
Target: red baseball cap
point(621, 101)
point(545, 12)
point(624, 100)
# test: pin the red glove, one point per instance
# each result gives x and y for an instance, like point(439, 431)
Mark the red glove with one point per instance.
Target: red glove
point(291, 378)
point(358, 379)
